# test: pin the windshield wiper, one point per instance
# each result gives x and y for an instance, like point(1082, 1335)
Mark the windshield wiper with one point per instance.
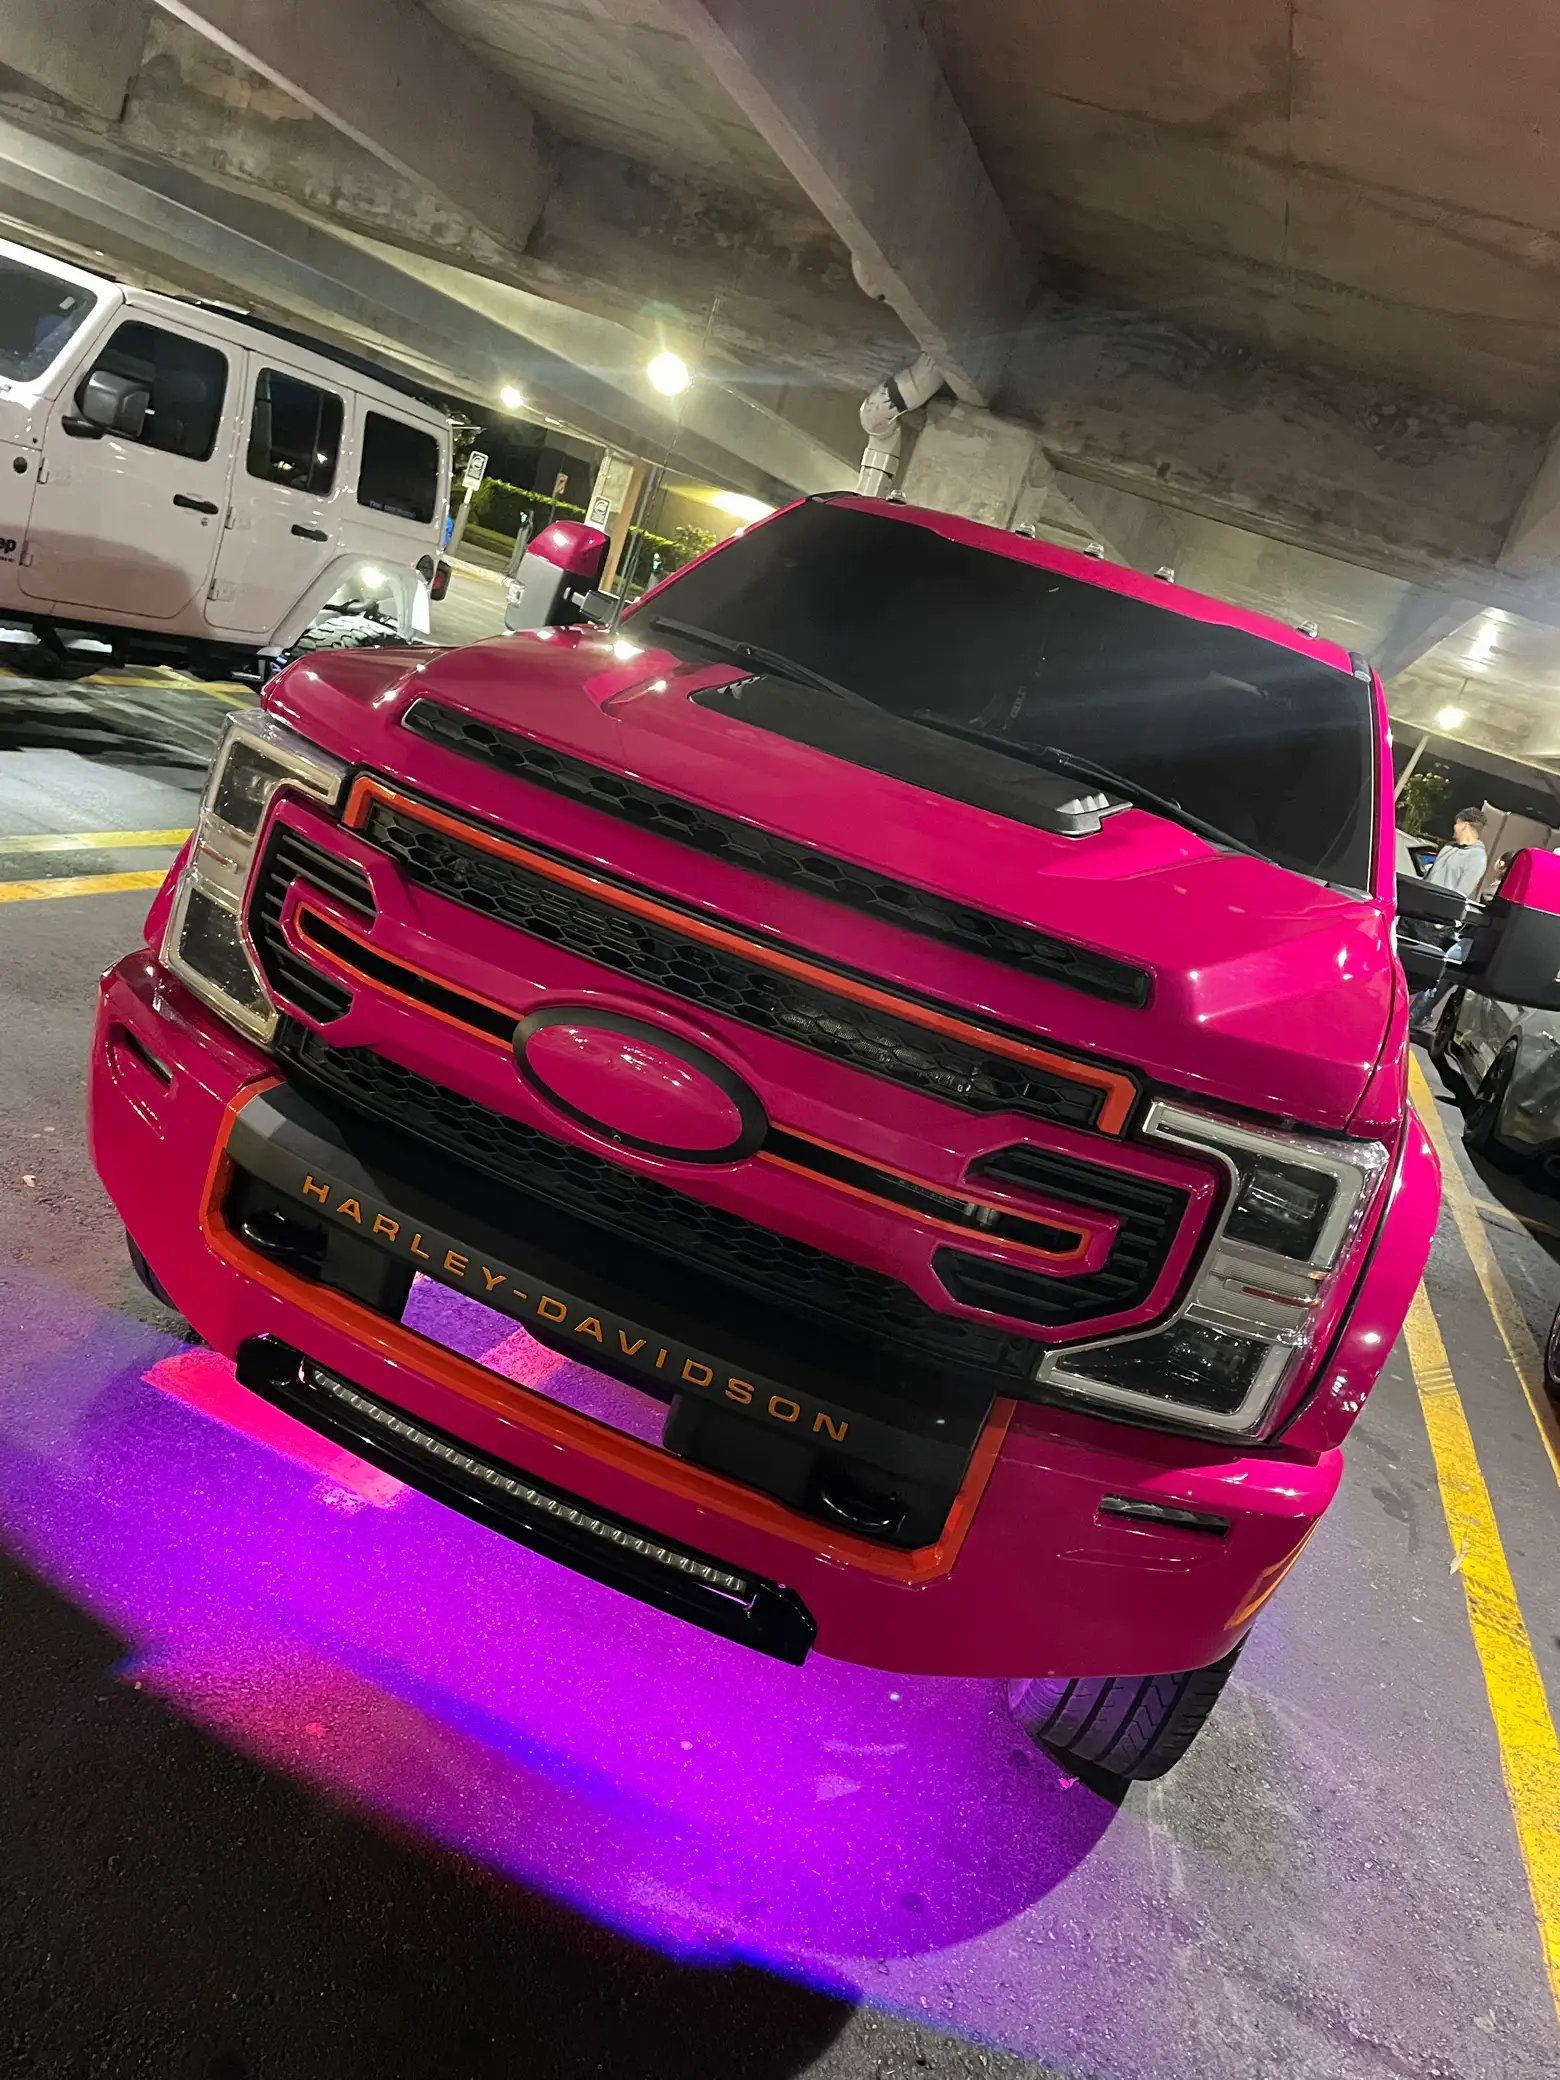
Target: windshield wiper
point(761, 656)
point(1052, 759)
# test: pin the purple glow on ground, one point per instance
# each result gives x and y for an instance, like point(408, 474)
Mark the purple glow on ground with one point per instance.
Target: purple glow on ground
point(841, 1825)
point(886, 1838)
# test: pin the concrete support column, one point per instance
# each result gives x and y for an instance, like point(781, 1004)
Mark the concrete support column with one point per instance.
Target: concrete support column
point(86, 53)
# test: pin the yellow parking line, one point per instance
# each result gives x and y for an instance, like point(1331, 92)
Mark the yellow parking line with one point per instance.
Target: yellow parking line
point(1509, 1320)
point(79, 885)
point(89, 841)
point(1524, 1730)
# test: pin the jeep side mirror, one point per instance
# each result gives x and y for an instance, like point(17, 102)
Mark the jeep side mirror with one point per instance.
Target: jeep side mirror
point(442, 574)
point(1514, 955)
point(114, 404)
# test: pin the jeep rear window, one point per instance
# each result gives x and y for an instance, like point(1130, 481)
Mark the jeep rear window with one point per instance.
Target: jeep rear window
point(38, 314)
point(1266, 743)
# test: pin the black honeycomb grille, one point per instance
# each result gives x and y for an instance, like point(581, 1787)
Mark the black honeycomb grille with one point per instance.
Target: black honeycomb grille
point(1150, 1216)
point(724, 1244)
point(719, 981)
point(288, 858)
point(626, 1203)
point(784, 859)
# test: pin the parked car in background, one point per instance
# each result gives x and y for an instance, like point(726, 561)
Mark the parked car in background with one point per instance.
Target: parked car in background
point(1502, 1064)
point(185, 485)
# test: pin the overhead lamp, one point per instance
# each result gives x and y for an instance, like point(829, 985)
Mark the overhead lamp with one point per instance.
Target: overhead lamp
point(740, 506)
point(1451, 718)
point(510, 398)
point(373, 577)
point(668, 373)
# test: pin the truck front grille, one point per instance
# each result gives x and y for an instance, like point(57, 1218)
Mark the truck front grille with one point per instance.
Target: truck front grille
point(740, 1251)
point(290, 857)
point(612, 930)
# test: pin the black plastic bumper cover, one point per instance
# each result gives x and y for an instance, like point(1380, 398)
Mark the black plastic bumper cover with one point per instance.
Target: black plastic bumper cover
point(728, 1600)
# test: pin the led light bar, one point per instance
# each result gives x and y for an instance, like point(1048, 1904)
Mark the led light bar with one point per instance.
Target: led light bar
point(533, 1498)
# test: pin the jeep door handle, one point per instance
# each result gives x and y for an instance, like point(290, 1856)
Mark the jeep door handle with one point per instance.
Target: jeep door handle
point(311, 534)
point(195, 505)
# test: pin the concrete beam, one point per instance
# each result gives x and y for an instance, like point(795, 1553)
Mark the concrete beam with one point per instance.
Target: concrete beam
point(85, 54)
point(851, 98)
point(391, 78)
point(1424, 618)
point(451, 331)
point(1532, 545)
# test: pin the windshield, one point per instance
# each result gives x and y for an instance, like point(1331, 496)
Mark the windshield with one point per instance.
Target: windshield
point(38, 313)
point(1262, 742)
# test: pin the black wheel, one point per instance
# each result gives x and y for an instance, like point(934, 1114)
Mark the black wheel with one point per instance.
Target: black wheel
point(1128, 1726)
point(1440, 1042)
point(1481, 1128)
point(148, 1276)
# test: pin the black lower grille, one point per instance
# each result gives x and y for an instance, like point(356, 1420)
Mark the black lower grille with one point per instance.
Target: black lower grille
point(795, 1274)
point(783, 859)
point(287, 858)
point(683, 966)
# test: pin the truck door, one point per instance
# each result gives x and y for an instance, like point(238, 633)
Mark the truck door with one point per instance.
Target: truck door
point(126, 525)
point(282, 521)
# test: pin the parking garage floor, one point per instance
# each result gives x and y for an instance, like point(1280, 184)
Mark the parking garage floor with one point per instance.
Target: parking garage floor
point(304, 1776)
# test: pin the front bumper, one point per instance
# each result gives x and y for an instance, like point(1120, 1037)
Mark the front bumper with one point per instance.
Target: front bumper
point(1029, 1577)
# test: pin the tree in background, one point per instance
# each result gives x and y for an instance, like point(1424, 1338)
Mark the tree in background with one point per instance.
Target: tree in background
point(1417, 805)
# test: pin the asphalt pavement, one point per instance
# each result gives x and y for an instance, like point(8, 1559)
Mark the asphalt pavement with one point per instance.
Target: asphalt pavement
point(301, 1775)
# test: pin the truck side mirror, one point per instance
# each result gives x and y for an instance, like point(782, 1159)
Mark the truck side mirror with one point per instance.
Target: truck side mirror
point(441, 580)
point(1428, 921)
point(114, 404)
point(1514, 955)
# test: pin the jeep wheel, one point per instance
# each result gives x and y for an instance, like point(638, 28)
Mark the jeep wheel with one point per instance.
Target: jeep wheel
point(1481, 1128)
point(1128, 1726)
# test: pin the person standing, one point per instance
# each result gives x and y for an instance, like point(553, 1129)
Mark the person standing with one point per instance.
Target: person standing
point(1462, 865)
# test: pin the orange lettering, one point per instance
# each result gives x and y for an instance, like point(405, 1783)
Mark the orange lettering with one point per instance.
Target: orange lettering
point(778, 1402)
point(630, 1348)
point(311, 1190)
point(352, 1210)
point(739, 1390)
point(416, 1252)
point(494, 1278)
point(835, 1430)
point(692, 1368)
point(589, 1327)
point(383, 1225)
point(545, 1308)
point(660, 1360)
point(455, 1263)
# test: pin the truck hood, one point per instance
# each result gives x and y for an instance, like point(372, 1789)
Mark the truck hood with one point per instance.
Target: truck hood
point(1268, 991)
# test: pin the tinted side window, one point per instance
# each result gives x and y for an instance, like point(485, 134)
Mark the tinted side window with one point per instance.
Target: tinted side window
point(400, 472)
point(295, 434)
point(186, 379)
point(38, 314)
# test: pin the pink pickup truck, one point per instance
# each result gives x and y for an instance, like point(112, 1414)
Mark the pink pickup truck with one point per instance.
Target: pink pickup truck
point(912, 1013)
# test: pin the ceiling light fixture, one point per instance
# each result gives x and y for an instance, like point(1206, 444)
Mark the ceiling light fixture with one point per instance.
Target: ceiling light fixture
point(669, 374)
point(511, 399)
point(740, 506)
point(1451, 718)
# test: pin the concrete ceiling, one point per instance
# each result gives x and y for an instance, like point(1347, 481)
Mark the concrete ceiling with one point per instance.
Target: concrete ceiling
point(1273, 284)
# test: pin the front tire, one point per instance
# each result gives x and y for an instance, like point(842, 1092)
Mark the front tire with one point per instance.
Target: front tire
point(1481, 1129)
point(1136, 1727)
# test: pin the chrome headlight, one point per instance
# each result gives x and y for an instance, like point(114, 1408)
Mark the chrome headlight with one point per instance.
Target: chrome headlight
point(1293, 1206)
point(204, 944)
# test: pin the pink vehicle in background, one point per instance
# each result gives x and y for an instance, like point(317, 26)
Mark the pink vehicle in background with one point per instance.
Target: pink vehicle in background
point(913, 1014)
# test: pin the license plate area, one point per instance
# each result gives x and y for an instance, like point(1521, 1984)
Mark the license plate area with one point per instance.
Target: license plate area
point(604, 1329)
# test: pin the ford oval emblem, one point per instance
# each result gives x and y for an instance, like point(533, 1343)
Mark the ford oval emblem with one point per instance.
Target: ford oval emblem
point(638, 1086)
